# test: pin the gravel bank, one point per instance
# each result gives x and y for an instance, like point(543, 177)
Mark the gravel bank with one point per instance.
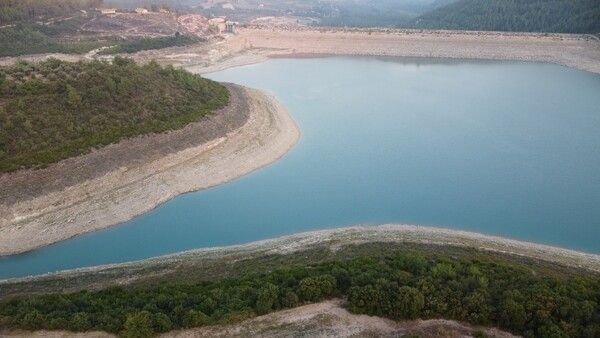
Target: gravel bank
point(120, 181)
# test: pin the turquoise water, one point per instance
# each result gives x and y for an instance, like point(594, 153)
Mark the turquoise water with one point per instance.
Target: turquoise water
point(510, 149)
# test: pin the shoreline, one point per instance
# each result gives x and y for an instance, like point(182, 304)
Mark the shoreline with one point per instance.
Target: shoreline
point(255, 44)
point(250, 46)
point(97, 277)
point(570, 50)
point(52, 214)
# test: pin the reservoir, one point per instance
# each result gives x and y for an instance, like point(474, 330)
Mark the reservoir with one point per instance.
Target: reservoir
point(502, 148)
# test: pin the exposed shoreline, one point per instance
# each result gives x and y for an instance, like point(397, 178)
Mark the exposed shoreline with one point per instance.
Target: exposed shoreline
point(256, 44)
point(24, 220)
point(253, 133)
point(98, 277)
point(571, 50)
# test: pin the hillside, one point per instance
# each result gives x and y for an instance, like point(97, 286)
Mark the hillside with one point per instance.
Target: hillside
point(30, 10)
point(55, 110)
point(559, 16)
point(399, 281)
point(76, 27)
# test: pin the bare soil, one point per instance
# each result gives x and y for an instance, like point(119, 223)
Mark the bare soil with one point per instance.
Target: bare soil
point(331, 319)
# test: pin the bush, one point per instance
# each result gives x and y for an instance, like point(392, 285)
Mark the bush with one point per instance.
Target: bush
point(312, 289)
point(266, 299)
point(138, 325)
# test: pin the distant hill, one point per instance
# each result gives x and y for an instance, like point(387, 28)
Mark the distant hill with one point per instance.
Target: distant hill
point(24, 10)
point(561, 16)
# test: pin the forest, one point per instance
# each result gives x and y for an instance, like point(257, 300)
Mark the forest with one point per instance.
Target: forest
point(54, 26)
point(53, 110)
point(560, 16)
point(479, 289)
point(30, 10)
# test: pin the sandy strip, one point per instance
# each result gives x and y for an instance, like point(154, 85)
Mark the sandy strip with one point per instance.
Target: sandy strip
point(136, 188)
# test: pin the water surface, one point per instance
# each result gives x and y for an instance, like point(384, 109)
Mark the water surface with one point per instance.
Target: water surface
point(502, 148)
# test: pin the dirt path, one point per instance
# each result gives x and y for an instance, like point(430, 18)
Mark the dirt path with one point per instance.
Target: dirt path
point(331, 319)
point(120, 181)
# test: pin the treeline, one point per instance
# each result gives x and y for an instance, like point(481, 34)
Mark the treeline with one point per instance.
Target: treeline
point(32, 38)
point(132, 46)
point(28, 10)
point(402, 286)
point(54, 109)
point(562, 16)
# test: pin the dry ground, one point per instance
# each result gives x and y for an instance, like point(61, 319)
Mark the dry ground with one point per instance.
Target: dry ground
point(330, 319)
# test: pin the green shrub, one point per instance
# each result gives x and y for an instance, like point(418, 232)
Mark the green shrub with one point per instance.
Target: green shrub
point(515, 299)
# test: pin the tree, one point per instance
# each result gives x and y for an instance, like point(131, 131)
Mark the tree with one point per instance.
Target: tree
point(512, 313)
point(138, 325)
point(409, 303)
point(73, 98)
point(34, 320)
point(315, 288)
point(79, 322)
point(162, 322)
point(290, 299)
point(195, 318)
point(267, 296)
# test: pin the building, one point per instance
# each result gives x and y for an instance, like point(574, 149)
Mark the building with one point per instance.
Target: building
point(107, 10)
point(140, 10)
point(231, 26)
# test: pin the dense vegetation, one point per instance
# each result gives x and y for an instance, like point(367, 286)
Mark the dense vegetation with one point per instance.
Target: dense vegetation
point(30, 10)
point(133, 46)
point(368, 13)
point(478, 290)
point(34, 38)
point(54, 110)
point(567, 16)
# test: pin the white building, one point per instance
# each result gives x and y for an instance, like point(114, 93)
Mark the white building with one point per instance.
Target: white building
point(231, 26)
point(107, 10)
